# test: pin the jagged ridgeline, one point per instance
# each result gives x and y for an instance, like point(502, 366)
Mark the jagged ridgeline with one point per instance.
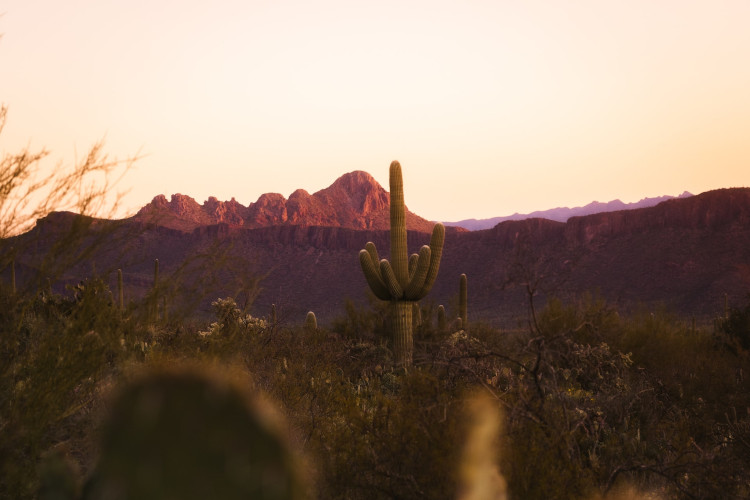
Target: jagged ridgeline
point(405, 279)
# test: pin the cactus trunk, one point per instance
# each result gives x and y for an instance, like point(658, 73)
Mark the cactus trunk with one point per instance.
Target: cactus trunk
point(403, 340)
point(399, 251)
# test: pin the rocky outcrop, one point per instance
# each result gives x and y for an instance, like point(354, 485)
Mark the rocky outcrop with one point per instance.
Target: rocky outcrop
point(229, 212)
point(355, 201)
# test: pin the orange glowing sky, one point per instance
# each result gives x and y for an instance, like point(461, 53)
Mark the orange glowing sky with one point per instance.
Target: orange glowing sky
point(492, 107)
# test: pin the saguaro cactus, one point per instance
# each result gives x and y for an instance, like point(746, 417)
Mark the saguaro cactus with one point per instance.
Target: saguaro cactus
point(311, 322)
point(404, 280)
point(272, 317)
point(462, 302)
point(442, 323)
point(182, 434)
point(156, 290)
point(120, 294)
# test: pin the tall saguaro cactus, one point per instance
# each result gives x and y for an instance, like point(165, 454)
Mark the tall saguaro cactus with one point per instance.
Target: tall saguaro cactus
point(156, 290)
point(311, 322)
point(120, 294)
point(462, 302)
point(403, 280)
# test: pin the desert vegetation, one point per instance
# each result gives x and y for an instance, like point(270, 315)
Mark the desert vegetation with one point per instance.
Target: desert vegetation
point(591, 401)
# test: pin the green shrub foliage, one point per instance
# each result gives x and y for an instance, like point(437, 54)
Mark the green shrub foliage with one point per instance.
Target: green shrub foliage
point(591, 401)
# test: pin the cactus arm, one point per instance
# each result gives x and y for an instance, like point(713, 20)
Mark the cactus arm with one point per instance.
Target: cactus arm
point(413, 265)
point(391, 282)
point(372, 275)
point(416, 285)
point(441, 319)
point(436, 248)
point(311, 322)
point(399, 252)
point(373, 251)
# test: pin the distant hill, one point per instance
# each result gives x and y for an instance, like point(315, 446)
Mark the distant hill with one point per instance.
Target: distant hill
point(562, 214)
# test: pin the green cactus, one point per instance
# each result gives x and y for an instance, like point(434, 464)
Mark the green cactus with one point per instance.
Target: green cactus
point(462, 302)
point(404, 280)
point(416, 315)
point(188, 434)
point(155, 290)
point(120, 294)
point(272, 317)
point(726, 305)
point(311, 322)
point(442, 323)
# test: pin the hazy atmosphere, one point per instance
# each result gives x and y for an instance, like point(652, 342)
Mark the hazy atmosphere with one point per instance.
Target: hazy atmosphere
point(491, 107)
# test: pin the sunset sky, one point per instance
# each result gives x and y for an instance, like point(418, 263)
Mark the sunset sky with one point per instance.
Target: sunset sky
point(492, 107)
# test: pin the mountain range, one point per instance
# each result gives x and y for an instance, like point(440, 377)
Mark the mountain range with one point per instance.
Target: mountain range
point(562, 214)
point(355, 200)
point(685, 254)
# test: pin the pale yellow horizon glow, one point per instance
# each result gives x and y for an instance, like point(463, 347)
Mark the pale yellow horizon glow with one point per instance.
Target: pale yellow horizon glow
point(492, 107)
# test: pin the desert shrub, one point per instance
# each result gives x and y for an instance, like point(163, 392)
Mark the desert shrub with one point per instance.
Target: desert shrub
point(736, 327)
point(56, 351)
point(592, 400)
point(363, 321)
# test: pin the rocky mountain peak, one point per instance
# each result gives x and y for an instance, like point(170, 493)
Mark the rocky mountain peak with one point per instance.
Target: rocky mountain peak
point(355, 200)
point(360, 191)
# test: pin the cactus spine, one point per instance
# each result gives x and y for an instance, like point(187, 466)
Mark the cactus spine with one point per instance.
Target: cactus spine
point(462, 302)
point(311, 322)
point(120, 294)
point(404, 280)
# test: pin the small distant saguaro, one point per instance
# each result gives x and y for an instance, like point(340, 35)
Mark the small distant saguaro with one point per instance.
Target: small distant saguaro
point(120, 293)
point(311, 322)
point(155, 290)
point(463, 302)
